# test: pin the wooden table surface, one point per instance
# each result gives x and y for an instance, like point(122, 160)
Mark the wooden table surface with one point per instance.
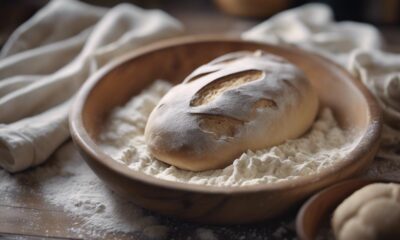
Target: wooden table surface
point(25, 215)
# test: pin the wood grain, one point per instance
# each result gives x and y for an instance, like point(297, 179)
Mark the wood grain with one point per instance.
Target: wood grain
point(24, 213)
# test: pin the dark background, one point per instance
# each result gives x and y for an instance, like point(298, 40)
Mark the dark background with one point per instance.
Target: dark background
point(203, 16)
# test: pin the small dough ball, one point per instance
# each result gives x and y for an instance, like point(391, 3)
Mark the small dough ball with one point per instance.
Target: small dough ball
point(372, 212)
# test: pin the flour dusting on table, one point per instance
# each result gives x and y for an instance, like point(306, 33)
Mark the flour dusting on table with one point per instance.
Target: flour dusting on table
point(123, 139)
point(66, 183)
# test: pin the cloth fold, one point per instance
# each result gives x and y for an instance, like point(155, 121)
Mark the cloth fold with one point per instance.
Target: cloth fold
point(356, 46)
point(48, 58)
point(313, 27)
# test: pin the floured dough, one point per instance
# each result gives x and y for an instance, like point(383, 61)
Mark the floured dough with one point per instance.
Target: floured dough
point(240, 101)
point(371, 213)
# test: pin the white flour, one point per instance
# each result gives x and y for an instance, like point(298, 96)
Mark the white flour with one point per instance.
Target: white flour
point(67, 182)
point(122, 138)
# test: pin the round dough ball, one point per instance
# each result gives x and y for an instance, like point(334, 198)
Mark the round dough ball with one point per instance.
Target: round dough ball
point(239, 101)
point(370, 213)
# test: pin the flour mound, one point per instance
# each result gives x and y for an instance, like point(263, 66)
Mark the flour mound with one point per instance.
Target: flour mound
point(324, 145)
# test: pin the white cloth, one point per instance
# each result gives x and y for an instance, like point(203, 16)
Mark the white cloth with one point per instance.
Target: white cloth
point(47, 59)
point(356, 46)
point(312, 27)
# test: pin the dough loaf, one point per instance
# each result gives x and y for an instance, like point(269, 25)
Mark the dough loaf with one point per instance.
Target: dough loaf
point(239, 101)
point(371, 213)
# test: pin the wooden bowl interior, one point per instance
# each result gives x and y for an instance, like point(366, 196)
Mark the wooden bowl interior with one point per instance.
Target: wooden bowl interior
point(174, 63)
point(115, 84)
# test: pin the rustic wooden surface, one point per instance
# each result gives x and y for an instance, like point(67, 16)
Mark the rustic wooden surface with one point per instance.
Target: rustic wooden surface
point(25, 215)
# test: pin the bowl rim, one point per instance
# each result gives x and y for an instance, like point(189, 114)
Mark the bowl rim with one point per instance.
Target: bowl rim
point(82, 138)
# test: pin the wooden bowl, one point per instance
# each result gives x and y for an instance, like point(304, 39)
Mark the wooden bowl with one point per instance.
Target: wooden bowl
point(172, 60)
point(316, 213)
point(253, 8)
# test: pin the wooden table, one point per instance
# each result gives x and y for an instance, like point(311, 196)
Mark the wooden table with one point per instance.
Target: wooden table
point(25, 215)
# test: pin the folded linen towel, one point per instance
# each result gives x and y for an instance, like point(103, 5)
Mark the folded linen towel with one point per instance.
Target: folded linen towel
point(356, 46)
point(47, 59)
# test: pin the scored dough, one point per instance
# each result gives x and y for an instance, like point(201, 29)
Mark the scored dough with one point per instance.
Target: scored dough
point(370, 213)
point(239, 101)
